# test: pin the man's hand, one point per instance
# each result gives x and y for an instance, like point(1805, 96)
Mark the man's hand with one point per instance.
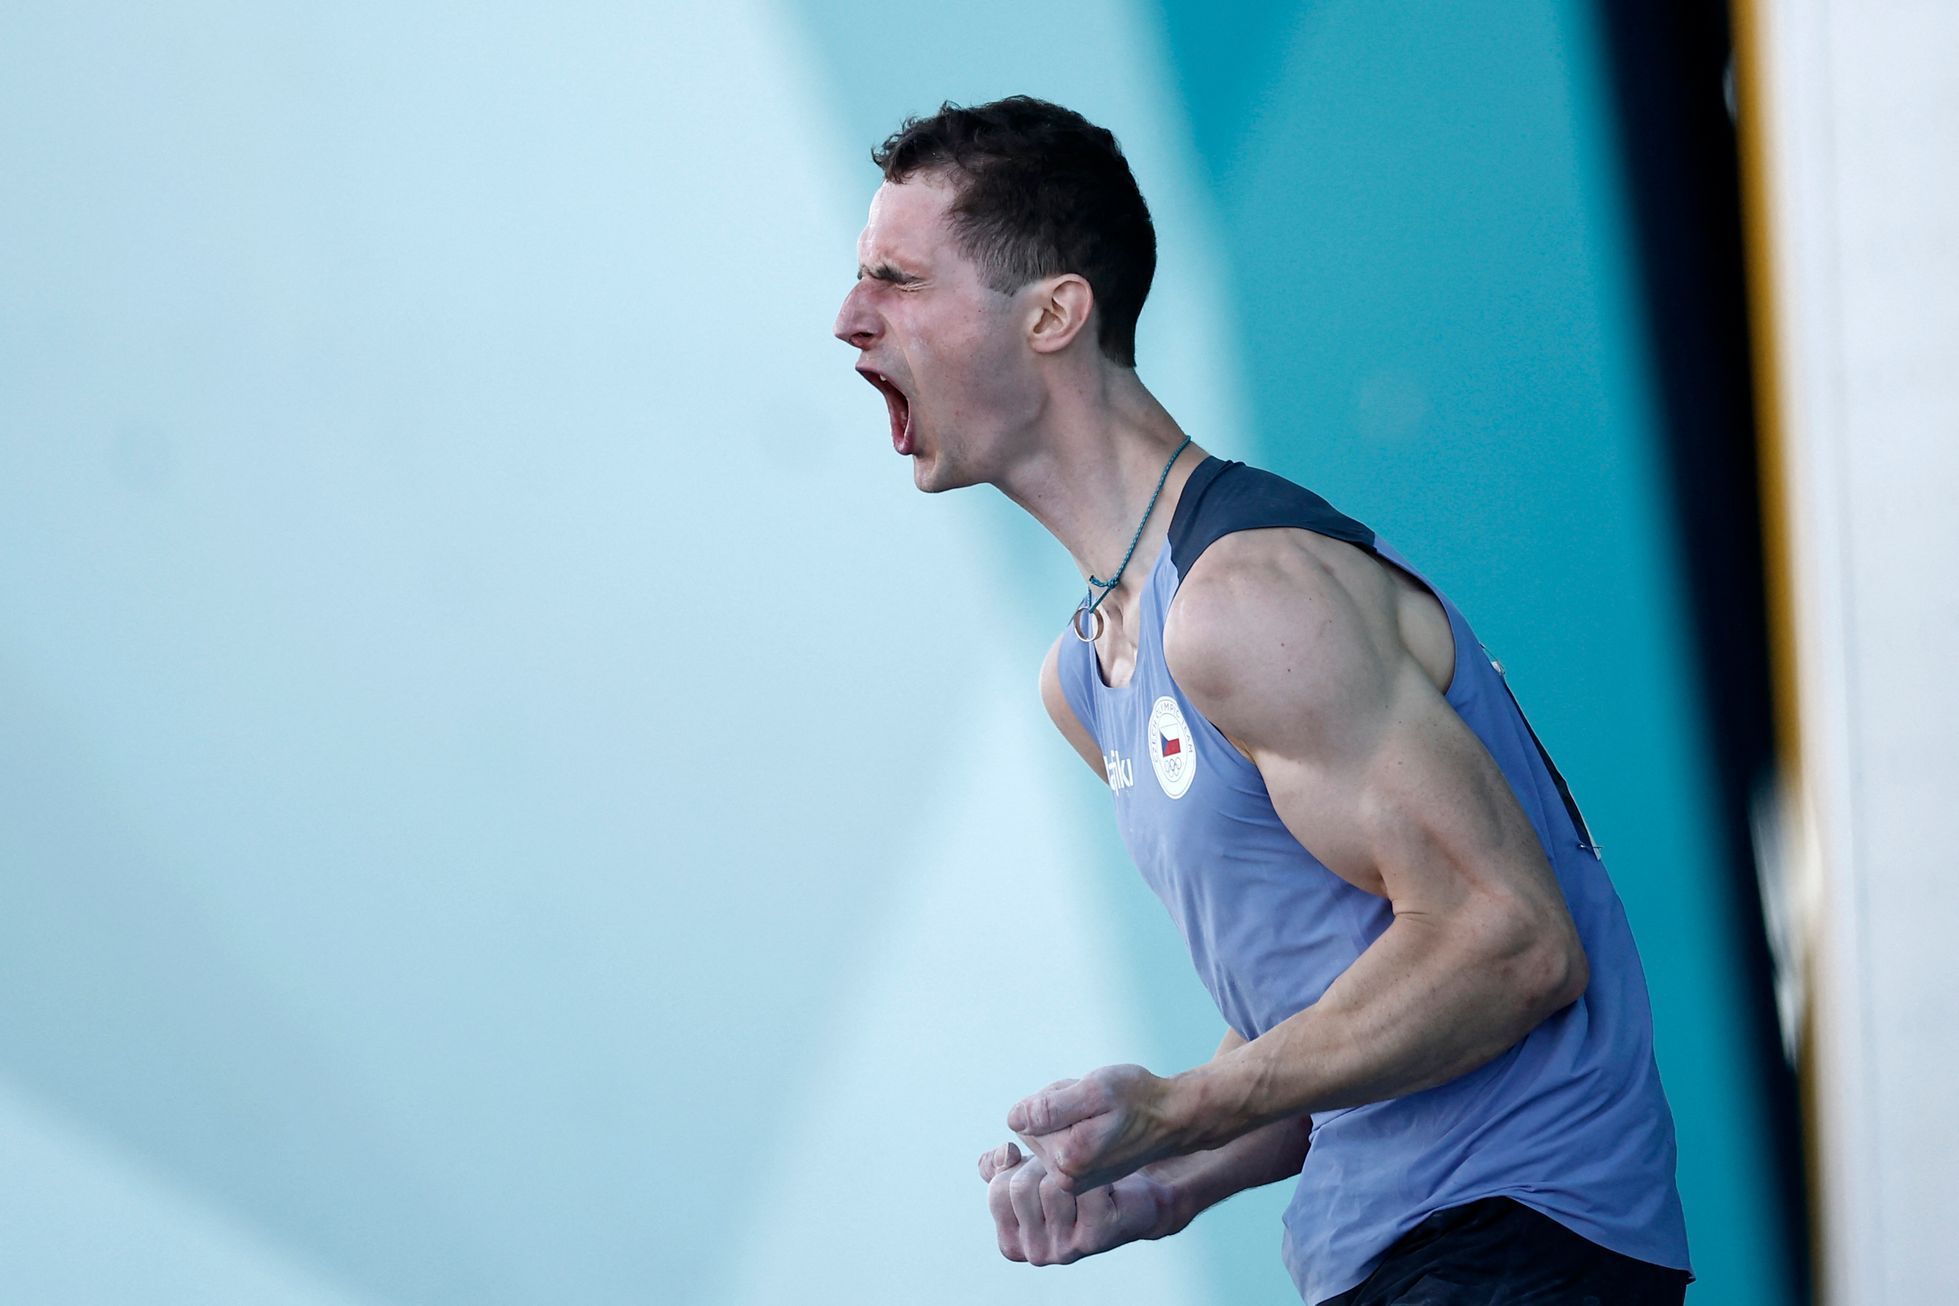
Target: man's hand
point(1092, 1131)
point(1042, 1223)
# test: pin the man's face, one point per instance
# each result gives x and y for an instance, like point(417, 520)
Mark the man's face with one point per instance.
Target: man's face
point(942, 347)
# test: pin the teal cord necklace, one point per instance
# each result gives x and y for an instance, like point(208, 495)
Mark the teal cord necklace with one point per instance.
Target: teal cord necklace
point(1088, 632)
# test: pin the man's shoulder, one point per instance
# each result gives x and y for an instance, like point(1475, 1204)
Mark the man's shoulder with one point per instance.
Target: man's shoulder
point(1274, 604)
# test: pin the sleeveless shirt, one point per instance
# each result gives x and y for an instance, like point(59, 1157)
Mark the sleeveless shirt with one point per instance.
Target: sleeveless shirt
point(1571, 1121)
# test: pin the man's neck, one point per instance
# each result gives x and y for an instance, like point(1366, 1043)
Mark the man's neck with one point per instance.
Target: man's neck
point(1091, 475)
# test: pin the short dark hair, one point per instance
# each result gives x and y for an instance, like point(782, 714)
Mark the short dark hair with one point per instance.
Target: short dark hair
point(1041, 190)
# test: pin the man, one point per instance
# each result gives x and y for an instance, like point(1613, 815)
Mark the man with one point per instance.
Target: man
point(1437, 1019)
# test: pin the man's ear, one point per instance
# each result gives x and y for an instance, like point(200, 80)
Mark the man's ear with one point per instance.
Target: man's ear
point(1059, 311)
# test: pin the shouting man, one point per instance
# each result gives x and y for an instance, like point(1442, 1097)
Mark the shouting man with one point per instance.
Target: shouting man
point(1437, 1022)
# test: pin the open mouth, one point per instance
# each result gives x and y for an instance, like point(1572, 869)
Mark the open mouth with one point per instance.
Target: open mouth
point(900, 406)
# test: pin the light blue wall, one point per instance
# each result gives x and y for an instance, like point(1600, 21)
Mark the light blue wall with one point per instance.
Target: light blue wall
point(506, 795)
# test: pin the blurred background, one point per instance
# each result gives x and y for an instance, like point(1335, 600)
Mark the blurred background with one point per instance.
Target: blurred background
point(508, 795)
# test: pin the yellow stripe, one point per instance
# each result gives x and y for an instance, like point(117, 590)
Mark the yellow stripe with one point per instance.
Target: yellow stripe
point(1772, 457)
point(1771, 430)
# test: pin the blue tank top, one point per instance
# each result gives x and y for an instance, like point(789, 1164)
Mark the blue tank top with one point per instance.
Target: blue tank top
point(1571, 1121)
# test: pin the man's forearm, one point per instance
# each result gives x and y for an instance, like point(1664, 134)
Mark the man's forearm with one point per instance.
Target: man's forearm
point(1200, 1180)
point(1406, 1016)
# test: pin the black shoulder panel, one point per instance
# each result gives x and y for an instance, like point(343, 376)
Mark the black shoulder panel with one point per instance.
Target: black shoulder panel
point(1221, 497)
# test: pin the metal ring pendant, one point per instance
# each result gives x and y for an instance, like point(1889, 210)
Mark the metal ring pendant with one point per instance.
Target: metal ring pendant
point(1095, 630)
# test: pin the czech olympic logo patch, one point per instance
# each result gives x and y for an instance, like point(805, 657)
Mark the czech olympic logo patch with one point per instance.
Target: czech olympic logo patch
point(1172, 748)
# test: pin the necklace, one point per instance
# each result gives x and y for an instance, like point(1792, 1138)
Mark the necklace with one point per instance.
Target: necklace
point(1088, 608)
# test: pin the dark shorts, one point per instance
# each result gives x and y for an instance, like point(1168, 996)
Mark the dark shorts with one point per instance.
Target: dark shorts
point(1499, 1251)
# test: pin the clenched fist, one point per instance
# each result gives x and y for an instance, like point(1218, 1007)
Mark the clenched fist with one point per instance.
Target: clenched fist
point(1094, 1130)
point(1039, 1222)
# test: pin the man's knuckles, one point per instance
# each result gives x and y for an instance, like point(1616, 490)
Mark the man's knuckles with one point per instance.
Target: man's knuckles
point(1071, 1154)
point(1054, 1250)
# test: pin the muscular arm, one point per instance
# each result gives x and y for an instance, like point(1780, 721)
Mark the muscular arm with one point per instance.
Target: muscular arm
point(1294, 647)
point(1293, 650)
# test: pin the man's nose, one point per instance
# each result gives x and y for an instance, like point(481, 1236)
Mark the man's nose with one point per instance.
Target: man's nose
point(856, 324)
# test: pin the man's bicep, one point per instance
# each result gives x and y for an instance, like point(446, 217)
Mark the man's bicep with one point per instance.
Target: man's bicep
point(1063, 715)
